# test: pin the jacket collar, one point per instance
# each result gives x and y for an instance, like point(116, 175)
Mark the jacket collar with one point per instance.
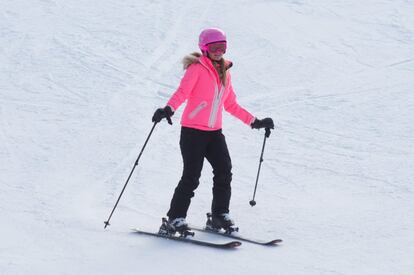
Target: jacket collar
point(208, 64)
point(196, 57)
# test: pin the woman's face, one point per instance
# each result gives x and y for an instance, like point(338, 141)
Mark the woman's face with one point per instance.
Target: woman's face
point(216, 56)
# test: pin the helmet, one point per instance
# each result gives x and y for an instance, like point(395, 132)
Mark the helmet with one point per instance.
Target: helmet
point(210, 35)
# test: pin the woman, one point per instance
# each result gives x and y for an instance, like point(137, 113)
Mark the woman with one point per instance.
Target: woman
point(207, 88)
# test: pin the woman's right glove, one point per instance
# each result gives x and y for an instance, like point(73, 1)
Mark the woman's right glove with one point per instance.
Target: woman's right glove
point(263, 123)
point(161, 113)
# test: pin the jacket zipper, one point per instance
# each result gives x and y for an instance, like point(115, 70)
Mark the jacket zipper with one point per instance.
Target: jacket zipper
point(216, 103)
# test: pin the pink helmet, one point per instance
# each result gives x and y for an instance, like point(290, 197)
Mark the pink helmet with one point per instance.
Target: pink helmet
point(210, 35)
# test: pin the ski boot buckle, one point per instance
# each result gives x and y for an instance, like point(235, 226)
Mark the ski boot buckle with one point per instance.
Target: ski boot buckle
point(229, 230)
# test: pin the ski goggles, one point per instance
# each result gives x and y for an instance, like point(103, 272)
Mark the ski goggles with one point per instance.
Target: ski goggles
point(217, 47)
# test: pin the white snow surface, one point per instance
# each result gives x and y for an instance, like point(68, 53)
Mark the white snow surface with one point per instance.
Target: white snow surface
point(80, 80)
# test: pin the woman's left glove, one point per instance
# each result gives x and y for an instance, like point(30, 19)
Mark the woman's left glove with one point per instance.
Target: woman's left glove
point(161, 113)
point(263, 123)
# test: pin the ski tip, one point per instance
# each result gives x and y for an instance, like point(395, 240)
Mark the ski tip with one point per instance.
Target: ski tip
point(233, 244)
point(274, 242)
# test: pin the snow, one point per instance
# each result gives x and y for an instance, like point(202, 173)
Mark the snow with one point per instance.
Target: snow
point(79, 81)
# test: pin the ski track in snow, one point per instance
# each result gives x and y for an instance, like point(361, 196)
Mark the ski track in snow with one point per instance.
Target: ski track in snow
point(79, 82)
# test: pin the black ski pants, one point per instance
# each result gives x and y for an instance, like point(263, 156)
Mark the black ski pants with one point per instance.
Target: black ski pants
point(195, 146)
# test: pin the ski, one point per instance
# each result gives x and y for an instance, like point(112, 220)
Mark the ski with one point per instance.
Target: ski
point(237, 237)
point(227, 245)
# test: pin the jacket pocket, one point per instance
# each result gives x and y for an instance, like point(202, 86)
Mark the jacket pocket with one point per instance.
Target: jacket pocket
point(197, 109)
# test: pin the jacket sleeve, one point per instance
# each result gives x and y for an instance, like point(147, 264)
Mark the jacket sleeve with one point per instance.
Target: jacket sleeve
point(231, 106)
point(184, 89)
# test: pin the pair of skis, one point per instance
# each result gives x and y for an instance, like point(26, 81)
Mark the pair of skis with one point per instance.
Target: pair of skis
point(227, 245)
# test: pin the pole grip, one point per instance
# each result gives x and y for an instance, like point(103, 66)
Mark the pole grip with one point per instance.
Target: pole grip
point(267, 134)
point(169, 120)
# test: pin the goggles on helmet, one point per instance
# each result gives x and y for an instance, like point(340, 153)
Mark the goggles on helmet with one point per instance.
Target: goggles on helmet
point(217, 47)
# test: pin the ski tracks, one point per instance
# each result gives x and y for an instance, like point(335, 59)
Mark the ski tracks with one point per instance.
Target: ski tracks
point(167, 50)
point(163, 59)
point(9, 164)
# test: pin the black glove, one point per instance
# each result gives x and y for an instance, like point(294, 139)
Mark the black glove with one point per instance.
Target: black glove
point(161, 113)
point(263, 123)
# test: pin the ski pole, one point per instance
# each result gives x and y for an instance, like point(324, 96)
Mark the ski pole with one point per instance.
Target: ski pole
point(130, 174)
point(267, 134)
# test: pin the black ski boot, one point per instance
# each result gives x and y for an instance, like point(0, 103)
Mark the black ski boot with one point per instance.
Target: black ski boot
point(222, 221)
point(172, 226)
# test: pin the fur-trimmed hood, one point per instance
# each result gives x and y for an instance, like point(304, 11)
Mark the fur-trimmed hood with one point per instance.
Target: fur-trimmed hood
point(191, 59)
point(195, 57)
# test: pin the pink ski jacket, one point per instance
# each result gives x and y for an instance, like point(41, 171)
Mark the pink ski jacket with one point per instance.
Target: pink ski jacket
point(206, 96)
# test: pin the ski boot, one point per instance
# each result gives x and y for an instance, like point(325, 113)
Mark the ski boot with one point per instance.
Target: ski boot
point(223, 221)
point(172, 226)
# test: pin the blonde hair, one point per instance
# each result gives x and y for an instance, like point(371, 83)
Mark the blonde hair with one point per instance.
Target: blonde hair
point(221, 70)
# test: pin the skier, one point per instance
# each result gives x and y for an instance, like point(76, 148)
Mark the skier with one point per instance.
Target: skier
point(206, 85)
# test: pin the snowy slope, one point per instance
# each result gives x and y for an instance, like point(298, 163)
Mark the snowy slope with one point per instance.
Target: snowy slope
point(79, 81)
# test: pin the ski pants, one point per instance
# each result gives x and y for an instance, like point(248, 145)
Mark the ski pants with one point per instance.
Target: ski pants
point(195, 146)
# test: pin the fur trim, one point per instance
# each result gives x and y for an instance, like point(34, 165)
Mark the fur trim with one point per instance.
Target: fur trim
point(229, 64)
point(194, 58)
point(191, 59)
